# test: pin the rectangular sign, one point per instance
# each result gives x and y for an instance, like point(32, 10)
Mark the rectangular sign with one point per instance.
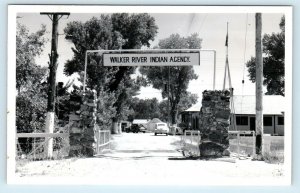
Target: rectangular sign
point(152, 59)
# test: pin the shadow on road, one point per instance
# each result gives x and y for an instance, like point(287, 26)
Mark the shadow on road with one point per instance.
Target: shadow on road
point(184, 158)
point(139, 154)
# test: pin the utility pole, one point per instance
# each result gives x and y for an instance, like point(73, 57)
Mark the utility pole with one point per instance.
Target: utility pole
point(169, 120)
point(214, 80)
point(259, 89)
point(55, 17)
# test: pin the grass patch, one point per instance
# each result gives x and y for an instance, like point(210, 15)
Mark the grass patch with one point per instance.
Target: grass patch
point(273, 157)
point(274, 148)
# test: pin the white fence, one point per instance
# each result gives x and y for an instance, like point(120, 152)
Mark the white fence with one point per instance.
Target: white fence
point(33, 146)
point(242, 143)
point(191, 141)
point(103, 140)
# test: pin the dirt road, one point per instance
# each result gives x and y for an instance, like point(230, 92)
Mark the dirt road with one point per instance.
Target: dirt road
point(144, 144)
point(145, 159)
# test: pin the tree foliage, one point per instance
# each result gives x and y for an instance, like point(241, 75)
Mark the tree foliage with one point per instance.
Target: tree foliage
point(152, 108)
point(145, 109)
point(273, 62)
point(62, 102)
point(186, 101)
point(109, 32)
point(31, 99)
point(28, 46)
point(180, 76)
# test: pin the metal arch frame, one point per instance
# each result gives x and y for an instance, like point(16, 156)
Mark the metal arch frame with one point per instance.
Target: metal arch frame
point(149, 51)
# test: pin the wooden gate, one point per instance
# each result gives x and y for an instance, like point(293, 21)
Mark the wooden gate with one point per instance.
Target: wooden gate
point(103, 140)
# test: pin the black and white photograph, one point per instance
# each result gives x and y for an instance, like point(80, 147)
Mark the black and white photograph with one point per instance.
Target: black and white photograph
point(149, 95)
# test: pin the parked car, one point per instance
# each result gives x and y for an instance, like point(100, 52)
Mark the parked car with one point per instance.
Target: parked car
point(135, 128)
point(161, 128)
point(127, 129)
point(142, 129)
point(177, 130)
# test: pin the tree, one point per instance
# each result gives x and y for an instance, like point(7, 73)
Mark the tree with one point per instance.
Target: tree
point(145, 108)
point(31, 99)
point(186, 101)
point(180, 76)
point(31, 96)
point(62, 103)
point(117, 31)
point(28, 46)
point(273, 62)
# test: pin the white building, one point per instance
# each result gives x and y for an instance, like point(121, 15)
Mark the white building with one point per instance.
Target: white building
point(273, 111)
point(244, 114)
point(151, 124)
point(142, 122)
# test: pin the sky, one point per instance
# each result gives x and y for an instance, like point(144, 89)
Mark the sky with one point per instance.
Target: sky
point(211, 27)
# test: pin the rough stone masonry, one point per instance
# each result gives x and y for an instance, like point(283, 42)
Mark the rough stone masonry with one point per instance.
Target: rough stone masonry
point(214, 123)
point(83, 124)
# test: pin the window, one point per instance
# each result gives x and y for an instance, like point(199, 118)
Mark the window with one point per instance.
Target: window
point(268, 121)
point(280, 121)
point(241, 120)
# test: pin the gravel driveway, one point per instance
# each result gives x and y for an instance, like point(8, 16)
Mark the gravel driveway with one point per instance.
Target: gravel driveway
point(145, 159)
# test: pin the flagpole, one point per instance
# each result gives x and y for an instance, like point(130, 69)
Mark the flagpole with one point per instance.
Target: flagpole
point(226, 63)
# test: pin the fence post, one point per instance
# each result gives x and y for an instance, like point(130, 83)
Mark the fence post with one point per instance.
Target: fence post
point(253, 141)
point(238, 144)
point(109, 137)
point(199, 142)
point(98, 137)
point(104, 141)
point(267, 145)
point(34, 146)
point(199, 138)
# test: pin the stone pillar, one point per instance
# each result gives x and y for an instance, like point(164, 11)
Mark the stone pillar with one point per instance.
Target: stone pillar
point(214, 123)
point(88, 116)
point(75, 131)
point(82, 119)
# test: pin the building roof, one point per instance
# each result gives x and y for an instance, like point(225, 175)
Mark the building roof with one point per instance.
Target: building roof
point(196, 107)
point(272, 105)
point(139, 121)
point(155, 120)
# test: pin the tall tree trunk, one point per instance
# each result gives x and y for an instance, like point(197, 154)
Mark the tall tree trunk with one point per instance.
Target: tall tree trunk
point(173, 114)
point(115, 126)
point(173, 117)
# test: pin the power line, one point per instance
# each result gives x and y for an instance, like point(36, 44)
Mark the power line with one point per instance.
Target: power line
point(192, 22)
point(202, 22)
point(245, 47)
